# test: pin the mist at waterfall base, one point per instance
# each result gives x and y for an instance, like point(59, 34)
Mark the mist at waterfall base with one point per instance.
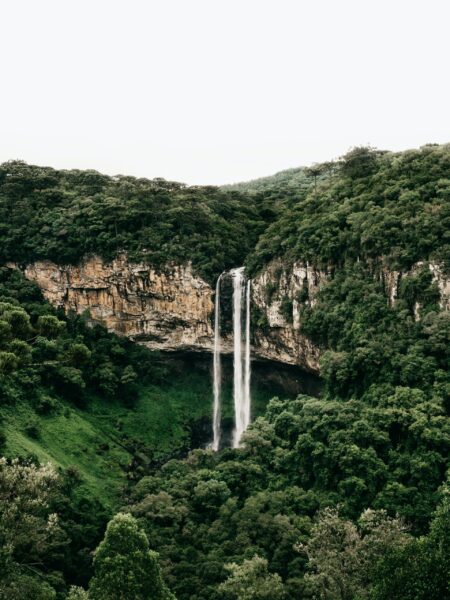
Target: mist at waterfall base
point(241, 359)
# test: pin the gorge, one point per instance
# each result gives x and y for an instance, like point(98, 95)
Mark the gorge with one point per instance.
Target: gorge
point(145, 325)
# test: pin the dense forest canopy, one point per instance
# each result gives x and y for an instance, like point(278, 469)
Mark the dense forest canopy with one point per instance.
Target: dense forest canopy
point(369, 204)
point(341, 497)
point(66, 215)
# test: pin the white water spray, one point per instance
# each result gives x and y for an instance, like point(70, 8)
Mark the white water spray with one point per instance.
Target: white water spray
point(247, 374)
point(217, 369)
point(238, 283)
point(241, 360)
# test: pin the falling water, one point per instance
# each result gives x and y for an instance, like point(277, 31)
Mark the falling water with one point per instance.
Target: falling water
point(238, 283)
point(247, 401)
point(217, 369)
point(241, 362)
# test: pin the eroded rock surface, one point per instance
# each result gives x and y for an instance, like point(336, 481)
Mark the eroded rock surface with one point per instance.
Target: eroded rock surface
point(172, 308)
point(165, 309)
point(278, 293)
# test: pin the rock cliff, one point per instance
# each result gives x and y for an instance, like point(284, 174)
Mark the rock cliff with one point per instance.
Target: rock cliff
point(172, 308)
point(165, 309)
point(277, 295)
point(391, 281)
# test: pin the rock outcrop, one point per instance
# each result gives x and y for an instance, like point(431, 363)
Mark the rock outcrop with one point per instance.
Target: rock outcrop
point(392, 279)
point(172, 309)
point(277, 294)
point(165, 309)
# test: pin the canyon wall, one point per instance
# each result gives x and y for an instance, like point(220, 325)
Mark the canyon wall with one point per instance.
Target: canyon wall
point(165, 309)
point(172, 309)
point(277, 295)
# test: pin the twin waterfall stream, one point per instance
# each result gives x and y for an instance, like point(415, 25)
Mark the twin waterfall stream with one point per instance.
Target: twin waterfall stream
point(241, 361)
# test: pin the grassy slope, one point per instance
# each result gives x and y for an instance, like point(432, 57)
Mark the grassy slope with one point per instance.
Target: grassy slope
point(97, 440)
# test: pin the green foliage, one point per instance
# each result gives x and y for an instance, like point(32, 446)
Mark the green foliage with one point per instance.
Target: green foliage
point(252, 581)
point(373, 205)
point(286, 308)
point(20, 586)
point(30, 533)
point(343, 555)
point(360, 161)
point(32, 428)
point(259, 319)
point(124, 565)
point(269, 291)
point(231, 525)
point(65, 215)
point(419, 288)
point(389, 453)
point(366, 342)
point(45, 355)
point(419, 570)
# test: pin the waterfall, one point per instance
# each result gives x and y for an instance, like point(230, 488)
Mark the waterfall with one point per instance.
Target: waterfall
point(241, 359)
point(238, 284)
point(217, 369)
point(247, 401)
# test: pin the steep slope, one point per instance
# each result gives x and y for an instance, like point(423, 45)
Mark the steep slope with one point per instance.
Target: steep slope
point(65, 216)
point(352, 271)
point(89, 400)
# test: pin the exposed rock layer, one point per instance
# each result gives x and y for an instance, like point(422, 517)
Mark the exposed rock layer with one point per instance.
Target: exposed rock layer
point(171, 308)
point(277, 293)
point(164, 309)
point(392, 280)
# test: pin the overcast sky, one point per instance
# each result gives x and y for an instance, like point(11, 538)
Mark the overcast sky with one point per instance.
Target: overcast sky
point(217, 91)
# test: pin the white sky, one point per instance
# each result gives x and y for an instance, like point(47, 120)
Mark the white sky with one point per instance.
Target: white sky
point(217, 91)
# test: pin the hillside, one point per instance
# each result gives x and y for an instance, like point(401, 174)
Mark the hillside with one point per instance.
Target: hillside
point(293, 180)
point(85, 399)
point(370, 205)
point(362, 469)
point(66, 215)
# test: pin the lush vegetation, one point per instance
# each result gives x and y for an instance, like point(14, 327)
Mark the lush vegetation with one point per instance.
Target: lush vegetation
point(66, 215)
point(102, 410)
point(377, 441)
point(82, 397)
point(368, 206)
point(342, 497)
point(96, 406)
point(305, 455)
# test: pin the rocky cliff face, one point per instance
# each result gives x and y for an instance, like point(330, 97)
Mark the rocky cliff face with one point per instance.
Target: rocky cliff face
point(172, 309)
point(277, 294)
point(166, 309)
point(392, 279)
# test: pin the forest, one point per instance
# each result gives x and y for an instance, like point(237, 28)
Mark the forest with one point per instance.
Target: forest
point(105, 491)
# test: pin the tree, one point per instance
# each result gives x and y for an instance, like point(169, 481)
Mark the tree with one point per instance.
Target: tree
point(252, 581)
point(342, 556)
point(420, 570)
point(29, 531)
point(19, 586)
point(125, 567)
point(77, 593)
point(359, 161)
